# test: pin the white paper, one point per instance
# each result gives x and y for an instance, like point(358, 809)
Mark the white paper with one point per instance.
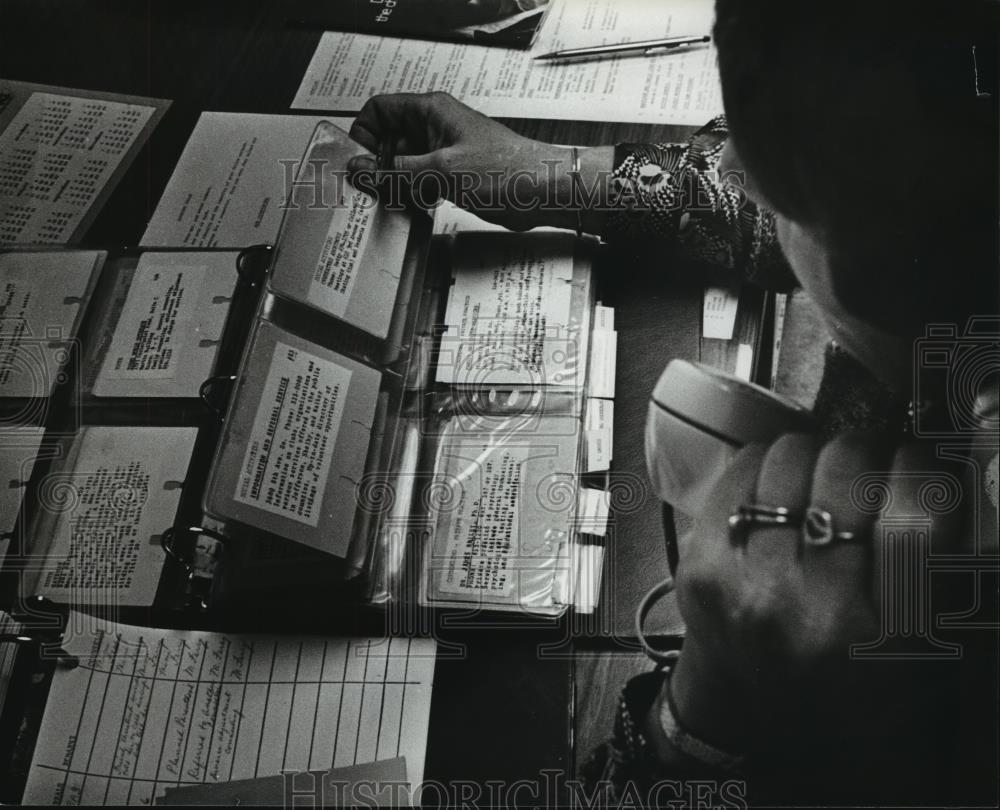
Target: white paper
point(599, 414)
point(604, 318)
point(231, 183)
point(150, 709)
point(110, 510)
point(597, 424)
point(508, 315)
point(340, 257)
point(288, 456)
point(57, 155)
point(603, 361)
point(590, 566)
point(503, 513)
point(744, 361)
point(593, 509)
point(679, 88)
point(167, 335)
point(719, 312)
point(41, 294)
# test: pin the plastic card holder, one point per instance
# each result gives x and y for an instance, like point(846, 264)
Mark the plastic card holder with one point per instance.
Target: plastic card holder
point(296, 441)
point(343, 260)
point(160, 325)
point(500, 513)
point(101, 506)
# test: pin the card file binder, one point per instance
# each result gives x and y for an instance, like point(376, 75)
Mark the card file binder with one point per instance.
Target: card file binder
point(395, 418)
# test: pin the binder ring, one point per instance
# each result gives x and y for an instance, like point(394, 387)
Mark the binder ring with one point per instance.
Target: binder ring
point(249, 275)
point(205, 392)
point(167, 543)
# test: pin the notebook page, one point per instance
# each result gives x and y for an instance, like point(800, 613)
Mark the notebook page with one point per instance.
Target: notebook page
point(151, 709)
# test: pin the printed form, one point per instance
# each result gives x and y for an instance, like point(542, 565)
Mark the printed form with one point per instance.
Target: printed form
point(147, 710)
point(677, 88)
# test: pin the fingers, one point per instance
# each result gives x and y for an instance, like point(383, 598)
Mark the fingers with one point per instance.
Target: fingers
point(838, 544)
point(736, 487)
point(411, 122)
point(388, 116)
point(785, 480)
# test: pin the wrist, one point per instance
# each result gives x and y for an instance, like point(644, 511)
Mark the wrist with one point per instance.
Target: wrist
point(706, 704)
point(571, 202)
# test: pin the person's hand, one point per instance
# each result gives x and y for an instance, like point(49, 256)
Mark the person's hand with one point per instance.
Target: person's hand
point(444, 149)
point(771, 620)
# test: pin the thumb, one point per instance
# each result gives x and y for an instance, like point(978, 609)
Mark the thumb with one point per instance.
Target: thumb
point(412, 178)
point(413, 164)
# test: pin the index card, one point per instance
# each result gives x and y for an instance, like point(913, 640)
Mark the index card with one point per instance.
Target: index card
point(42, 298)
point(509, 319)
point(719, 312)
point(108, 511)
point(61, 152)
point(295, 441)
point(167, 335)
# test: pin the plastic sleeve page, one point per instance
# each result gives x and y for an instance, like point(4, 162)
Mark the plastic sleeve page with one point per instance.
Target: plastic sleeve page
point(503, 513)
point(287, 460)
point(296, 442)
point(509, 318)
point(229, 186)
point(680, 88)
point(339, 250)
point(41, 297)
point(150, 709)
point(108, 512)
point(167, 335)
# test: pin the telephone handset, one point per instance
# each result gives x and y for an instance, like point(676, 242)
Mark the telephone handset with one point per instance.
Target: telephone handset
point(699, 419)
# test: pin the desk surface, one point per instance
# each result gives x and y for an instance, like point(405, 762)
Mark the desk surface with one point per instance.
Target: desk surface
point(504, 710)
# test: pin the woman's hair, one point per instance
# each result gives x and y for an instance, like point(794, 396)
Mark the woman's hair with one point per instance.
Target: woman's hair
point(862, 120)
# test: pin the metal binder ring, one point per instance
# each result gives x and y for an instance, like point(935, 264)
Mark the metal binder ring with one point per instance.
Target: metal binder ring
point(249, 275)
point(168, 537)
point(205, 390)
point(167, 544)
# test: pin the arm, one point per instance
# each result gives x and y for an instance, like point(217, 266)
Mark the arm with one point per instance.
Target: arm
point(670, 193)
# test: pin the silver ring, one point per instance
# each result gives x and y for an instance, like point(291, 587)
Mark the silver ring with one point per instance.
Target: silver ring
point(817, 524)
point(756, 514)
point(818, 529)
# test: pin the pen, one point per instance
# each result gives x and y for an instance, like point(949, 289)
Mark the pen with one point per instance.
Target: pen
point(647, 47)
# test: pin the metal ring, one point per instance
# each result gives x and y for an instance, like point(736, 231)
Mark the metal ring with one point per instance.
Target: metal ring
point(205, 388)
point(755, 514)
point(244, 255)
point(818, 529)
point(167, 543)
point(817, 525)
